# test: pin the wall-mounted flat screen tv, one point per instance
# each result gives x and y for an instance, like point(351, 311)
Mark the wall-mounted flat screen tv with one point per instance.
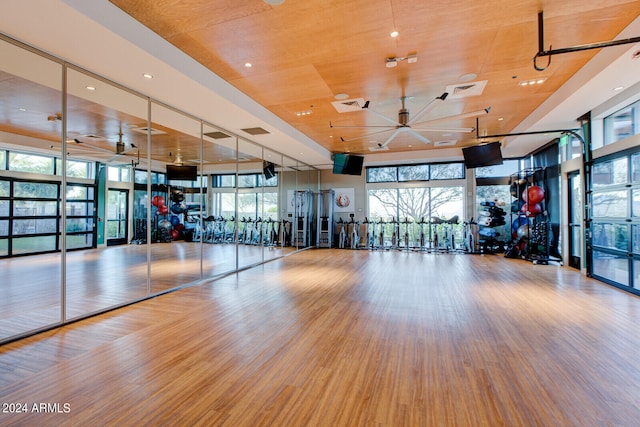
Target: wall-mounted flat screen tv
point(182, 173)
point(347, 164)
point(482, 155)
point(268, 169)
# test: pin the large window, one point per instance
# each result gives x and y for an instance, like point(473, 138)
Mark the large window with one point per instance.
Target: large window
point(622, 124)
point(615, 202)
point(411, 206)
point(80, 216)
point(409, 173)
point(21, 162)
point(76, 169)
point(119, 173)
point(34, 217)
point(507, 168)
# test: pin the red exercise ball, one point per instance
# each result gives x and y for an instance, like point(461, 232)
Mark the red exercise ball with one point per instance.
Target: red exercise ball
point(157, 201)
point(535, 194)
point(163, 210)
point(179, 227)
point(531, 209)
point(175, 234)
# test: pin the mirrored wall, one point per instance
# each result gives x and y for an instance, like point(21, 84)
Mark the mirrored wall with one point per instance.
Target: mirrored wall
point(108, 197)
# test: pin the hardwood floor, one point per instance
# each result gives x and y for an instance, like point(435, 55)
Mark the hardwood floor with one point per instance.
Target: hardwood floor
point(97, 279)
point(345, 338)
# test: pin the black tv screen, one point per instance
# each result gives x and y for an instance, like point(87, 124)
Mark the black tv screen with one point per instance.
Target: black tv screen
point(269, 170)
point(482, 155)
point(182, 173)
point(347, 164)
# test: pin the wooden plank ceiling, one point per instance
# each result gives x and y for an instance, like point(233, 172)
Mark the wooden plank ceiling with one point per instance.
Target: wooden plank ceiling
point(306, 55)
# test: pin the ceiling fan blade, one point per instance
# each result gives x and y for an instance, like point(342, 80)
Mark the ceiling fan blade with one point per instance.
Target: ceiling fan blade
point(90, 147)
point(382, 116)
point(364, 136)
point(393, 135)
point(430, 106)
point(121, 154)
point(418, 136)
point(453, 130)
point(332, 126)
point(458, 116)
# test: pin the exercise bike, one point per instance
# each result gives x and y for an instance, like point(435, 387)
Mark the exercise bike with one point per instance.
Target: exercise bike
point(468, 237)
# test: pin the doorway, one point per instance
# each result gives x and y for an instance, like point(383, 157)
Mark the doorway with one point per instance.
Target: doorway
point(117, 217)
point(575, 219)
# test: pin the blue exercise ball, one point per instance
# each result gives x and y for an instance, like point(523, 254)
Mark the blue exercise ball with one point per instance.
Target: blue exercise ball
point(518, 222)
point(178, 208)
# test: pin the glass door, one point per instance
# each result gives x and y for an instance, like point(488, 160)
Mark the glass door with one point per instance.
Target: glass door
point(575, 220)
point(117, 217)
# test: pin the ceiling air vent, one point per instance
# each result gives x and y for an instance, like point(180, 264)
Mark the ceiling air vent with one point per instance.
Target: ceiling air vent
point(216, 135)
point(255, 131)
point(348, 105)
point(463, 90)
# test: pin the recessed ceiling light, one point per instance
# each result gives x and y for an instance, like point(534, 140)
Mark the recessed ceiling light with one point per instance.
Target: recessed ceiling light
point(532, 82)
point(274, 2)
point(147, 76)
point(22, 109)
point(619, 88)
point(248, 64)
point(91, 88)
point(500, 119)
point(394, 34)
point(341, 96)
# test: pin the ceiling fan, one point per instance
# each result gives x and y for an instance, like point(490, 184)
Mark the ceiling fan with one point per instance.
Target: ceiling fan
point(405, 124)
point(91, 141)
point(176, 159)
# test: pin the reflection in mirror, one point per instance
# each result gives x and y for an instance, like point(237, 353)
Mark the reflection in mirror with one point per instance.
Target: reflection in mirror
point(218, 225)
point(103, 143)
point(287, 191)
point(303, 224)
point(271, 171)
point(176, 145)
point(30, 188)
point(250, 215)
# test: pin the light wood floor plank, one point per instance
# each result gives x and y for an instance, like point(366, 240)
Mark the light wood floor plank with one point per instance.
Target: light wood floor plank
point(347, 338)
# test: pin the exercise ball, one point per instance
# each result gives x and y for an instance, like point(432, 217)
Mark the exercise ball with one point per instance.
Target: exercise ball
point(531, 209)
point(178, 208)
point(175, 234)
point(157, 201)
point(174, 220)
point(516, 205)
point(163, 210)
point(519, 221)
point(535, 194)
point(165, 224)
point(523, 232)
point(177, 196)
point(179, 227)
